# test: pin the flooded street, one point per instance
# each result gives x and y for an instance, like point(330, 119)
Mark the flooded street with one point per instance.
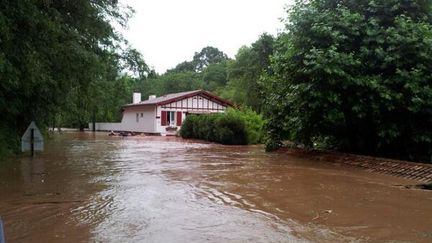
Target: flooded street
point(93, 188)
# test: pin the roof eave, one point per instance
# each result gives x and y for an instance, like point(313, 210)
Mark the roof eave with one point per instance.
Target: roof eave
point(136, 105)
point(168, 101)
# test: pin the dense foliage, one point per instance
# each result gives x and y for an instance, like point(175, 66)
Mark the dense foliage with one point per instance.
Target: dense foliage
point(58, 59)
point(245, 71)
point(254, 123)
point(63, 64)
point(236, 79)
point(231, 127)
point(206, 71)
point(354, 75)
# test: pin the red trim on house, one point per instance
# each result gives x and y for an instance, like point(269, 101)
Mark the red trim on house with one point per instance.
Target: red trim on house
point(179, 118)
point(163, 118)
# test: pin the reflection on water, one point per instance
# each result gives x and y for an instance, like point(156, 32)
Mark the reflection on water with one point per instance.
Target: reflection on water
point(32, 171)
point(89, 187)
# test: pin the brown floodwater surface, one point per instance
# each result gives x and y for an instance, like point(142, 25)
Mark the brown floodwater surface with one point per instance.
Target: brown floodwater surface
point(89, 187)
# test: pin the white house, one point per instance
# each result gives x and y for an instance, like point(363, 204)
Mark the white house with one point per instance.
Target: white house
point(165, 114)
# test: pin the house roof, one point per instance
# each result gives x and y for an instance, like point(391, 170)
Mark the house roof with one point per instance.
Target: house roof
point(168, 98)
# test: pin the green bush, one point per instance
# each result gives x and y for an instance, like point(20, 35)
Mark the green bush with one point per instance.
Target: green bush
point(254, 123)
point(232, 127)
point(229, 129)
point(187, 127)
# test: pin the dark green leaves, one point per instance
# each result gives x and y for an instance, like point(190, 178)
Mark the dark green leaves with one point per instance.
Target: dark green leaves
point(59, 59)
point(355, 72)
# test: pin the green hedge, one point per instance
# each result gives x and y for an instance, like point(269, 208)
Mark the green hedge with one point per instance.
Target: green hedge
point(231, 127)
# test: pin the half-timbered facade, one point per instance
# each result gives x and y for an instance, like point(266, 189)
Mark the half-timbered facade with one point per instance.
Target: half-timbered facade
point(165, 114)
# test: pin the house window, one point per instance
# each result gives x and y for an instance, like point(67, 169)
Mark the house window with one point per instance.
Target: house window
point(137, 117)
point(170, 118)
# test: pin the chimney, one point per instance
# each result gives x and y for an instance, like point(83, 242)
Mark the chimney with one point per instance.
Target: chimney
point(152, 97)
point(136, 98)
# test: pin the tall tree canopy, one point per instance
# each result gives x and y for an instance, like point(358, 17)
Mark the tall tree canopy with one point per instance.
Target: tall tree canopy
point(355, 75)
point(207, 70)
point(201, 60)
point(245, 71)
point(238, 80)
point(56, 55)
point(208, 55)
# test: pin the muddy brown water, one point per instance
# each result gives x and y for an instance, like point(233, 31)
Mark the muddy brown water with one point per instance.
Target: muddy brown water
point(93, 188)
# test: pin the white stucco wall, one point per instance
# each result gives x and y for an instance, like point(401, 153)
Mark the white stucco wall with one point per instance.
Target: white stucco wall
point(146, 119)
point(106, 126)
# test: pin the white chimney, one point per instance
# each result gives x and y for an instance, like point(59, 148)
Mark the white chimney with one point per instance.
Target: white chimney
point(136, 98)
point(152, 97)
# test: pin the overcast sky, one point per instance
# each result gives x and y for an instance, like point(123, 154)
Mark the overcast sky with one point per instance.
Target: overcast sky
point(168, 32)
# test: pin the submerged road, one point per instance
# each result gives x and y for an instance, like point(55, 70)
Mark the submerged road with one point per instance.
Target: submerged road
point(93, 188)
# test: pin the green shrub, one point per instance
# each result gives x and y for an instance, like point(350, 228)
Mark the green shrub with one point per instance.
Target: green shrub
point(254, 123)
point(187, 127)
point(232, 127)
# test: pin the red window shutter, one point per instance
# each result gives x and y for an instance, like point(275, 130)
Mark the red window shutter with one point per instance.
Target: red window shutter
point(163, 118)
point(179, 118)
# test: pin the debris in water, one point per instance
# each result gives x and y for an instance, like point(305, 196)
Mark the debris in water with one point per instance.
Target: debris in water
point(329, 211)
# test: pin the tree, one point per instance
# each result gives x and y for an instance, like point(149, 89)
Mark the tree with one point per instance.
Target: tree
point(183, 67)
point(171, 82)
point(355, 76)
point(54, 56)
point(208, 55)
point(207, 71)
point(215, 76)
point(201, 60)
point(134, 62)
point(244, 73)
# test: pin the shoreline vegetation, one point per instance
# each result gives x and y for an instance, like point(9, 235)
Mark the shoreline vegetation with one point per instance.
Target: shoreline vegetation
point(232, 127)
point(352, 76)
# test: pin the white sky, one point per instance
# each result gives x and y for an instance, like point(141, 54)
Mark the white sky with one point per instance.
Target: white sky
point(168, 32)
